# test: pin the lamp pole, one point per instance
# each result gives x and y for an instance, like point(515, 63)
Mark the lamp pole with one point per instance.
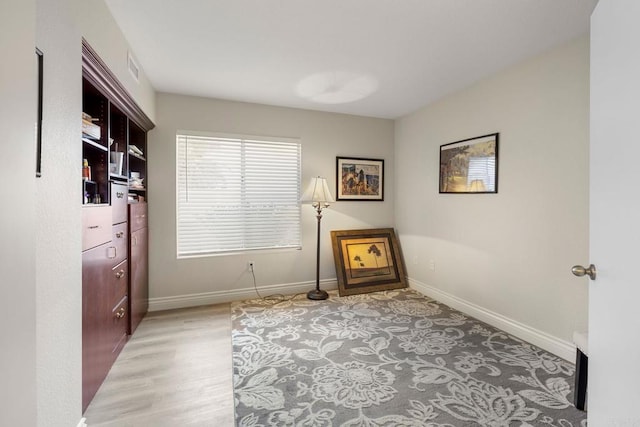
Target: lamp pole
point(319, 196)
point(317, 293)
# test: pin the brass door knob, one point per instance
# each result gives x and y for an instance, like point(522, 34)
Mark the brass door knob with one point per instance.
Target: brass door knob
point(580, 271)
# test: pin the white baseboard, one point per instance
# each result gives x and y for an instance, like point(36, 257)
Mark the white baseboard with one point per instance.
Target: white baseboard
point(552, 344)
point(82, 423)
point(217, 297)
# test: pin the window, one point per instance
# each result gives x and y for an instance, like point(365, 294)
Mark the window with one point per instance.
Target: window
point(481, 174)
point(237, 194)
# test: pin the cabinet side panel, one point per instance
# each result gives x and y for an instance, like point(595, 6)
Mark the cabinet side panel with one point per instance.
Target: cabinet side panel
point(139, 291)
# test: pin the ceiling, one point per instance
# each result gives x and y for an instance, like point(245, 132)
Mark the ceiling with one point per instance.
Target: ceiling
point(378, 58)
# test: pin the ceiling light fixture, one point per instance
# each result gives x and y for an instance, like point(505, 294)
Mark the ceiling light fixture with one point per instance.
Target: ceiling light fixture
point(336, 87)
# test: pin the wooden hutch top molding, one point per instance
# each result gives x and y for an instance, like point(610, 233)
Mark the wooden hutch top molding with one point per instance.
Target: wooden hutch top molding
point(96, 71)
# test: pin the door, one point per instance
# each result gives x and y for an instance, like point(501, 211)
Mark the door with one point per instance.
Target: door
point(614, 297)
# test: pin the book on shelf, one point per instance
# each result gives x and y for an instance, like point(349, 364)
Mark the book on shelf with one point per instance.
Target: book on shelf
point(135, 150)
point(88, 118)
point(90, 130)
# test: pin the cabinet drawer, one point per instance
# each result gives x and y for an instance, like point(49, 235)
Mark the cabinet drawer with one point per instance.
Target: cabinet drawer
point(119, 242)
point(96, 226)
point(119, 200)
point(118, 329)
point(137, 216)
point(119, 281)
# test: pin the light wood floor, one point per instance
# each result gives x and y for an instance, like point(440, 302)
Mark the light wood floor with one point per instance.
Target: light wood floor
point(174, 371)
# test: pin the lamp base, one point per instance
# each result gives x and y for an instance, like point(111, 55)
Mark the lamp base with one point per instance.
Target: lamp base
point(317, 294)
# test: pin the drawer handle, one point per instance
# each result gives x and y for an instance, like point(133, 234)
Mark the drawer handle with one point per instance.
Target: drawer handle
point(119, 194)
point(93, 227)
point(120, 313)
point(119, 274)
point(119, 234)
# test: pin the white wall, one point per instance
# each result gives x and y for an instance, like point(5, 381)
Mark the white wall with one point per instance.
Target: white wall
point(104, 35)
point(58, 247)
point(509, 253)
point(223, 278)
point(17, 216)
point(45, 224)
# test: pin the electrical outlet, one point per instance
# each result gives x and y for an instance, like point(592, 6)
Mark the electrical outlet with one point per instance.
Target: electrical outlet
point(432, 265)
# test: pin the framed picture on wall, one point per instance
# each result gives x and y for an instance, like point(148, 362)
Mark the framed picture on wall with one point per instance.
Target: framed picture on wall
point(470, 165)
point(359, 179)
point(367, 261)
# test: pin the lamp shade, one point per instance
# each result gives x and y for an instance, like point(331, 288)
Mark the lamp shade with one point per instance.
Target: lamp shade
point(317, 192)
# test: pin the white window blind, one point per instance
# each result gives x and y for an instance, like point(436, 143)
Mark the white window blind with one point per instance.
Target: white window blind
point(237, 194)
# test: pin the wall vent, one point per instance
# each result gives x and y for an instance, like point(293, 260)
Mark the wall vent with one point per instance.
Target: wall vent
point(134, 69)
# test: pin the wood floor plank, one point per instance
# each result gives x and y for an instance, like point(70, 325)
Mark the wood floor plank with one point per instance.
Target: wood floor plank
point(175, 370)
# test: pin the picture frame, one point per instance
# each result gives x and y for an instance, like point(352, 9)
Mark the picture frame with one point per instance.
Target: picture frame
point(40, 71)
point(367, 260)
point(470, 165)
point(359, 179)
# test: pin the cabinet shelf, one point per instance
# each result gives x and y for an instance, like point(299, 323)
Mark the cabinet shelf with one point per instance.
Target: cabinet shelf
point(95, 144)
point(137, 156)
point(93, 205)
point(118, 177)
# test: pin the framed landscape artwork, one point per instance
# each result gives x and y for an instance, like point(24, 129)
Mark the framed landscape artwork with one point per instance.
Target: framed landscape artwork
point(359, 179)
point(470, 165)
point(367, 261)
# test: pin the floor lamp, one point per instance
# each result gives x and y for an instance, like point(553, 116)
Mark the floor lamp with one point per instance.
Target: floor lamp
point(318, 195)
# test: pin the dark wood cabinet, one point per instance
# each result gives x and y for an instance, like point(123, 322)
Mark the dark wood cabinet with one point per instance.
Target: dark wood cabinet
point(138, 263)
point(114, 258)
point(95, 284)
point(104, 294)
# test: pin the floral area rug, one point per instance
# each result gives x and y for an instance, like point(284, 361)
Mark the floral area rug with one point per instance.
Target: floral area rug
point(394, 358)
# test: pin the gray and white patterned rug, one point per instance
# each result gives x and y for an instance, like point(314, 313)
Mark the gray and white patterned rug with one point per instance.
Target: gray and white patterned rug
point(394, 358)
